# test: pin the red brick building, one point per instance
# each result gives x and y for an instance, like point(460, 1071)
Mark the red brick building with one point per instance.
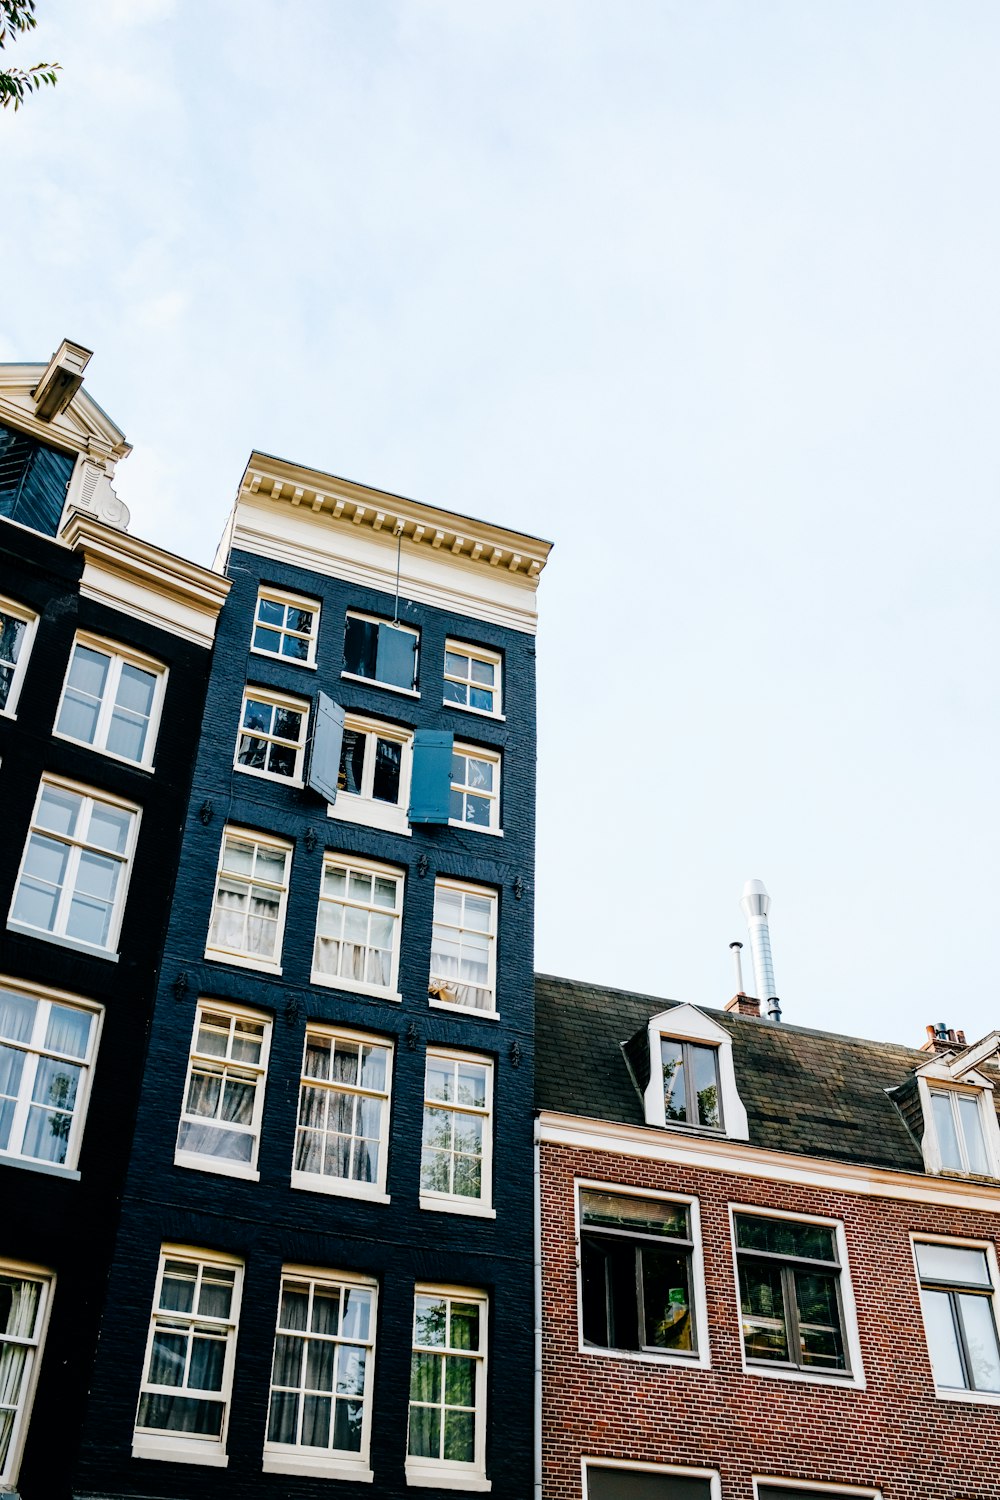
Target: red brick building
point(768, 1257)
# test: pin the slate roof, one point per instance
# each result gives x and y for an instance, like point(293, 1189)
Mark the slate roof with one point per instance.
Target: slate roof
point(811, 1093)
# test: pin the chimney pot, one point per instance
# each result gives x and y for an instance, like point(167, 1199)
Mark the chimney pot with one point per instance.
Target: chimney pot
point(942, 1038)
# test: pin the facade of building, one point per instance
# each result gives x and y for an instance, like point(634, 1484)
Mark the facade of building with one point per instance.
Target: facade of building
point(323, 1275)
point(104, 650)
point(769, 1256)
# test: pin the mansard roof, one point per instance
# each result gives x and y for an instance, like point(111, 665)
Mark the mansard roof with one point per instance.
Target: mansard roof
point(810, 1093)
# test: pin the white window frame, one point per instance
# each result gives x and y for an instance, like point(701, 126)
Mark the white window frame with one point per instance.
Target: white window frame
point(218, 1164)
point(852, 1378)
point(701, 1357)
point(290, 601)
point(440, 1473)
point(190, 1448)
point(938, 1080)
point(119, 657)
point(685, 1023)
point(457, 1203)
point(798, 1487)
point(478, 752)
point(239, 956)
point(273, 699)
point(332, 1463)
point(362, 807)
point(665, 1471)
point(345, 982)
point(465, 887)
point(35, 1050)
point(347, 1187)
point(35, 1345)
point(959, 1242)
point(29, 619)
point(77, 846)
point(389, 687)
point(475, 653)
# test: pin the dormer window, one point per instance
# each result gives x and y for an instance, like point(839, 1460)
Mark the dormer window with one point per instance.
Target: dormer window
point(691, 1093)
point(682, 1065)
point(959, 1126)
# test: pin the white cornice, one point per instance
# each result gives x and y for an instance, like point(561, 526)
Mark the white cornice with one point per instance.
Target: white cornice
point(737, 1157)
point(129, 574)
point(348, 530)
point(82, 428)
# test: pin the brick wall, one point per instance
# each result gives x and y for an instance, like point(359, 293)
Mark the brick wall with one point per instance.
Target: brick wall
point(895, 1434)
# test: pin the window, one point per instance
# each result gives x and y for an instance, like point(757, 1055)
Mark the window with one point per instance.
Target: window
point(74, 873)
point(219, 1128)
point(610, 1479)
point(324, 1347)
point(17, 628)
point(248, 915)
point(958, 1297)
point(691, 1094)
point(188, 1372)
point(790, 1294)
point(272, 736)
point(111, 701)
point(48, 1043)
point(285, 626)
point(456, 1145)
point(25, 1294)
point(475, 788)
point(447, 1429)
point(463, 947)
point(381, 651)
point(342, 1136)
point(373, 781)
point(357, 926)
point(637, 1273)
point(959, 1126)
point(472, 678)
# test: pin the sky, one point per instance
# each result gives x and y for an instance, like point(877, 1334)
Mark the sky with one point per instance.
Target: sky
point(703, 291)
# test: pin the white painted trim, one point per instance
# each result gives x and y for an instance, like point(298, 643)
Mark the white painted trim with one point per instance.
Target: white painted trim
point(796, 1487)
point(211, 1456)
point(719, 1155)
point(853, 1378)
point(438, 1479)
point(22, 1414)
point(699, 1358)
point(631, 1466)
point(125, 655)
point(471, 1208)
point(688, 1024)
point(318, 1468)
point(958, 1242)
point(29, 619)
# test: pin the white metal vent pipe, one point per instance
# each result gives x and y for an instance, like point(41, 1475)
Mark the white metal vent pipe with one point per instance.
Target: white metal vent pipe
point(755, 903)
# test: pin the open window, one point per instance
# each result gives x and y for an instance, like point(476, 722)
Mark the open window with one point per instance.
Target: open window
point(382, 652)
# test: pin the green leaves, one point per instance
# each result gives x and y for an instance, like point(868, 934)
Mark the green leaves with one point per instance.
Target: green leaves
point(17, 17)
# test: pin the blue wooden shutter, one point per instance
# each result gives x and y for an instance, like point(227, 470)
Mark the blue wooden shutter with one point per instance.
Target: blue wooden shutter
point(324, 757)
point(396, 658)
point(430, 785)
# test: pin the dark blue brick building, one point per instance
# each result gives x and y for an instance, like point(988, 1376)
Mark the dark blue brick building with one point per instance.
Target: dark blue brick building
point(323, 1274)
point(104, 653)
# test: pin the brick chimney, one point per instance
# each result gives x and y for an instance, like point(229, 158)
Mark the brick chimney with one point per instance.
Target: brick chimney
point(743, 1005)
point(940, 1038)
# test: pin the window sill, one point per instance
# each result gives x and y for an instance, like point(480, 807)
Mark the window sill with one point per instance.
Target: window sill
point(286, 661)
point(353, 986)
point(218, 1167)
point(474, 828)
point(846, 1380)
point(975, 1398)
point(322, 1468)
point(240, 961)
point(338, 1187)
point(50, 1168)
point(480, 713)
point(295, 781)
point(123, 760)
point(470, 1207)
point(447, 1479)
point(180, 1451)
point(693, 1361)
point(62, 942)
point(387, 687)
point(463, 1010)
point(369, 814)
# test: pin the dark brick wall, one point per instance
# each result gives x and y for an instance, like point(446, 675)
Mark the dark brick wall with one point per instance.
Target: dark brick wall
point(45, 1220)
point(267, 1223)
point(895, 1434)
